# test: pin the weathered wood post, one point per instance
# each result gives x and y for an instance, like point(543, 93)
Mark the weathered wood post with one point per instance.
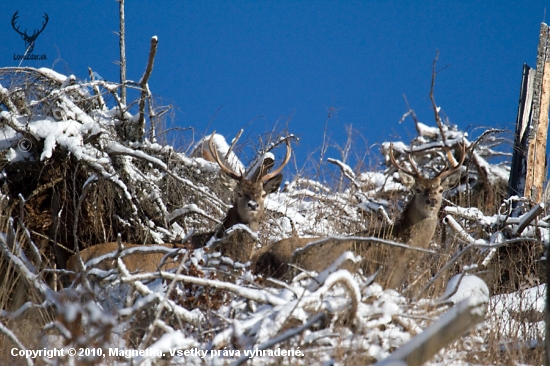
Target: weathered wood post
point(518, 170)
point(528, 171)
point(536, 156)
point(547, 315)
point(448, 328)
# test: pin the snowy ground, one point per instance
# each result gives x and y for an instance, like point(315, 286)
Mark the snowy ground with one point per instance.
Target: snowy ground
point(198, 315)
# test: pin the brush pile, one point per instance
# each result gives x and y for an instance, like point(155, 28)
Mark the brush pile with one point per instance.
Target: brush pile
point(79, 168)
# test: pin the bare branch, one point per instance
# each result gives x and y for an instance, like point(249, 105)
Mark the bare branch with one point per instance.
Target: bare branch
point(100, 100)
point(145, 93)
point(122, 45)
point(233, 143)
point(436, 109)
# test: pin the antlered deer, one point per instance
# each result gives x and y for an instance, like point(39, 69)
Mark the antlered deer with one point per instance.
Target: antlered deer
point(248, 209)
point(417, 223)
point(415, 226)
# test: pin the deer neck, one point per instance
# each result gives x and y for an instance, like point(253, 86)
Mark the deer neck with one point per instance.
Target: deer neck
point(233, 218)
point(414, 227)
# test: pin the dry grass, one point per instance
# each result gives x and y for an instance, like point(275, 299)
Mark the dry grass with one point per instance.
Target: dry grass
point(52, 189)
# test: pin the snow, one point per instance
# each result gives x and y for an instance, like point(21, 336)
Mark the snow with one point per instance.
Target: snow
point(461, 287)
point(52, 74)
point(511, 310)
point(118, 148)
point(215, 304)
point(219, 143)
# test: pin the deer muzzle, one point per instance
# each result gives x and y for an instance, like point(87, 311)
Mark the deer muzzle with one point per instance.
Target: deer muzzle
point(253, 205)
point(432, 202)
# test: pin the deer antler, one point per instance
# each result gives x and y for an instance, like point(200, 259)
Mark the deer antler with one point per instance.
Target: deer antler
point(267, 177)
point(416, 173)
point(450, 171)
point(214, 152)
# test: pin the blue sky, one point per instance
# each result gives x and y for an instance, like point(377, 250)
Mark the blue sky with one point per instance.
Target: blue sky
point(260, 64)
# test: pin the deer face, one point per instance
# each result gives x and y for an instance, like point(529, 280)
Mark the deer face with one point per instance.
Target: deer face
point(428, 193)
point(251, 193)
point(250, 197)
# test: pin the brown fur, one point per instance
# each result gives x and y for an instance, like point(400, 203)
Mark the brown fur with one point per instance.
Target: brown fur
point(274, 260)
point(135, 262)
point(248, 206)
point(239, 245)
point(248, 209)
point(415, 227)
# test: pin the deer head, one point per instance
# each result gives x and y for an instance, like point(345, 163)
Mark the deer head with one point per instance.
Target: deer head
point(29, 39)
point(428, 192)
point(248, 207)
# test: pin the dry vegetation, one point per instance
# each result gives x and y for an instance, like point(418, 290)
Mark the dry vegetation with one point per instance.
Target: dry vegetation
point(77, 171)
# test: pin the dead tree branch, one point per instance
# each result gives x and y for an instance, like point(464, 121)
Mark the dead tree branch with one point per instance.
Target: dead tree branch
point(145, 93)
point(122, 43)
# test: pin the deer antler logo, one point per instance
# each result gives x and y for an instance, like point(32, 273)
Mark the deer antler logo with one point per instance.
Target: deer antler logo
point(29, 39)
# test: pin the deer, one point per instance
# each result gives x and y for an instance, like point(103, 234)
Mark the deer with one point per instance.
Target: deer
point(418, 221)
point(248, 206)
point(248, 209)
point(415, 227)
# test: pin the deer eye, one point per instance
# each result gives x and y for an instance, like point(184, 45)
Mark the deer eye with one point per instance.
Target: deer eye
point(239, 194)
point(440, 190)
point(264, 195)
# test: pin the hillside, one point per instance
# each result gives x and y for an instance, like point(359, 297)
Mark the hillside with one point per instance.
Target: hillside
point(80, 168)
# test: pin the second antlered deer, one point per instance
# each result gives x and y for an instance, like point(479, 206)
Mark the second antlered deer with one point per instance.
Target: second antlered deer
point(415, 226)
point(248, 209)
point(417, 223)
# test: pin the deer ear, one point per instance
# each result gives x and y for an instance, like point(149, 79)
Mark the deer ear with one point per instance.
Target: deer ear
point(451, 181)
point(273, 184)
point(407, 179)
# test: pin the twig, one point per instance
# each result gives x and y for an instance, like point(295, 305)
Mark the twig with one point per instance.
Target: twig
point(12, 337)
point(527, 218)
point(464, 251)
point(362, 239)
point(190, 317)
point(100, 100)
point(233, 143)
point(160, 307)
point(38, 190)
point(5, 100)
point(8, 241)
point(33, 249)
point(345, 169)
point(286, 335)
point(248, 293)
point(459, 230)
point(78, 205)
point(144, 87)
point(410, 112)
point(436, 111)
point(122, 45)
